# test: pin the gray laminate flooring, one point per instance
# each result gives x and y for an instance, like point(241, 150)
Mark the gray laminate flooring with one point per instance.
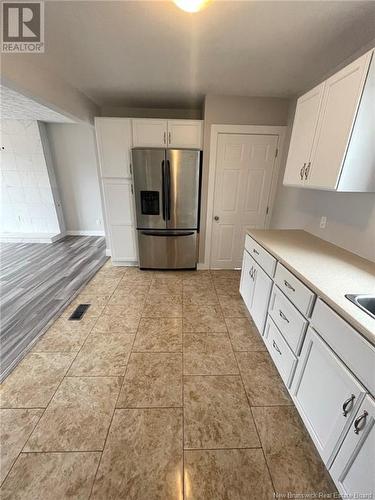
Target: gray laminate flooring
point(37, 282)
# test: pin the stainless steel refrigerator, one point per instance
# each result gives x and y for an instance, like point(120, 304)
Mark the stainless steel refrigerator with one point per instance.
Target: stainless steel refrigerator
point(167, 197)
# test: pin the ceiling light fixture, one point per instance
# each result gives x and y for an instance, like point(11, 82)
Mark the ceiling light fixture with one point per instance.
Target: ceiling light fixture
point(192, 5)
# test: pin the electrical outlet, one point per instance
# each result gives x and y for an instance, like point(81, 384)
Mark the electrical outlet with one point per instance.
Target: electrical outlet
point(323, 222)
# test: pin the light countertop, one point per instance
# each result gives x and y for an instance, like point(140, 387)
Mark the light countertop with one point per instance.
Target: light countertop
point(328, 270)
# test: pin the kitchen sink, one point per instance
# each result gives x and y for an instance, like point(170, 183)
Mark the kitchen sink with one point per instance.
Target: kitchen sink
point(364, 302)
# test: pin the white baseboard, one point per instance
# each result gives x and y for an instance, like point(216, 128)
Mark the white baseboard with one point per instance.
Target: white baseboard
point(202, 266)
point(124, 263)
point(85, 233)
point(30, 237)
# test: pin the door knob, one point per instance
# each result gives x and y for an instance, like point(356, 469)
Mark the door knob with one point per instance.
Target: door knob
point(216, 217)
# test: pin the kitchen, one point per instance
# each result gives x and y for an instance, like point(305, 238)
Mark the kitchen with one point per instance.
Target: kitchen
point(228, 348)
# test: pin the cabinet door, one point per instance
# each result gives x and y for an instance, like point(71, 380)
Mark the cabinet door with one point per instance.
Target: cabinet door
point(326, 395)
point(341, 98)
point(247, 280)
point(149, 133)
point(185, 134)
point(123, 244)
point(114, 140)
point(304, 127)
point(261, 298)
point(118, 203)
point(354, 467)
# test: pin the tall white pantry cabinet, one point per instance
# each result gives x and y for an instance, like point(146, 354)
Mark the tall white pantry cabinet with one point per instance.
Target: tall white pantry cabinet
point(115, 138)
point(332, 145)
point(114, 141)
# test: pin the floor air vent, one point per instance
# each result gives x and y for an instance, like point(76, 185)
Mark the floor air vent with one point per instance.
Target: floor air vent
point(79, 312)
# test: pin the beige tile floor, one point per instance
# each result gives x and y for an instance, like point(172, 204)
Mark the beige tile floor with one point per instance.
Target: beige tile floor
point(163, 391)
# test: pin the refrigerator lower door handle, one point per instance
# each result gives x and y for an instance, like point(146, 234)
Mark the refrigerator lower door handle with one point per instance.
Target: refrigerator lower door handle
point(164, 234)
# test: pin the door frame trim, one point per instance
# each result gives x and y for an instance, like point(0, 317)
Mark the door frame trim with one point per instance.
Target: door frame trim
point(217, 129)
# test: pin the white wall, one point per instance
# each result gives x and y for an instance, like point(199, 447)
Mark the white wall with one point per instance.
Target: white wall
point(233, 110)
point(27, 200)
point(350, 216)
point(73, 150)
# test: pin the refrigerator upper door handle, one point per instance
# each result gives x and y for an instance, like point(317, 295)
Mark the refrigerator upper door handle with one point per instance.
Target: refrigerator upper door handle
point(163, 188)
point(168, 191)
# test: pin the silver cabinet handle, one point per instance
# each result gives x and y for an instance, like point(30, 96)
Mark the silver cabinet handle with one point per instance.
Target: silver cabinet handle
point(276, 347)
point(301, 172)
point(358, 420)
point(252, 273)
point(307, 170)
point(282, 315)
point(288, 285)
point(165, 137)
point(255, 251)
point(346, 404)
point(169, 137)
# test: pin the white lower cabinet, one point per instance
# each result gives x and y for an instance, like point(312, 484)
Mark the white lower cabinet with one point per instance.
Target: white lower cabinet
point(118, 201)
point(353, 469)
point(326, 395)
point(247, 283)
point(328, 369)
point(255, 289)
point(123, 245)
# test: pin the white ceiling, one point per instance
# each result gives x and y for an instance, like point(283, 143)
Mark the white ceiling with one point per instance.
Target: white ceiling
point(141, 53)
point(15, 106)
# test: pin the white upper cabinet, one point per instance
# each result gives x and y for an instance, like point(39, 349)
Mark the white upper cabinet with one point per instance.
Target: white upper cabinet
point(154, 133)
point(149, 132)
point(114, 140)
point(331, 121)
point(185, 134)
point(305, 121)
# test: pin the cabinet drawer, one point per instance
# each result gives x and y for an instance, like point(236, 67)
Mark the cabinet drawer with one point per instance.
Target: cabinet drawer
point(280, 352)
point(301, 296)
point(356, 352)
point(260, 255)
point(288, 319)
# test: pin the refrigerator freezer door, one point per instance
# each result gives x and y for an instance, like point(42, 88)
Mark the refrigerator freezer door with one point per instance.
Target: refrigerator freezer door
point(167, 249)
point(149, 187)
point(182, 173)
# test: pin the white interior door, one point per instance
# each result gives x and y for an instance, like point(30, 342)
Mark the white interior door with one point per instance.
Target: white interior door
point(244, 167)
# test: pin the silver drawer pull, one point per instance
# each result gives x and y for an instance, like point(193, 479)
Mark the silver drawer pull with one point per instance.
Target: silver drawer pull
point(276, 347)
point(288, 285)
point(358, 420)
point(346, 404)
point(255, 251)
point(282, 315)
